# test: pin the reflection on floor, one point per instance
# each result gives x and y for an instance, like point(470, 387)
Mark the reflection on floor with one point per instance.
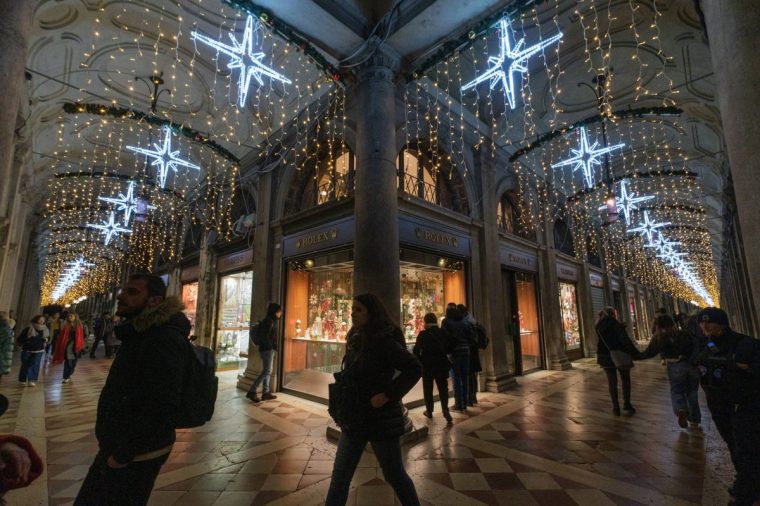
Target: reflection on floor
point(552, 440)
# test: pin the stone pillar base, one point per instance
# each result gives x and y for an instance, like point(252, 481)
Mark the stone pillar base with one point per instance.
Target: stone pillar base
point(560, 364)
point(500, 383)
point(411, 437)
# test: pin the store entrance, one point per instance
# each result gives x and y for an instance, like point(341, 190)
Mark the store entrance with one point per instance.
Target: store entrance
point(318, 301)
point(233, 320)
point(522, 319)
point(571, 322)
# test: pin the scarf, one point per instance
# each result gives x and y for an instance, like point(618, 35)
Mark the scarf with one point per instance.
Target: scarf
point(63, 340)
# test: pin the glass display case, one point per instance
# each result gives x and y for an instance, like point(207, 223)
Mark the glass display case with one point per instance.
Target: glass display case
point(190, 300)
point(570, 317)
point(233, 320)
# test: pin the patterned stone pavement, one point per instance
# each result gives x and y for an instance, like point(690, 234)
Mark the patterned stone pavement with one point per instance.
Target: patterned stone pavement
point(551, 440)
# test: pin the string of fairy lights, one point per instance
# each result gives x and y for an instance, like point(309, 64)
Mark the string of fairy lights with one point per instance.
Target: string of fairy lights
point(129, 183)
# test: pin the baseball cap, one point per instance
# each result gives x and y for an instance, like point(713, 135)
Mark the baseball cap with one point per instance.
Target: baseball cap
point(713, 315)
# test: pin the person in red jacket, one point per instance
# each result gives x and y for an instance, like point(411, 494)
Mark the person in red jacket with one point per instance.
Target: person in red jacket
point(19, 463)
point(69, 345)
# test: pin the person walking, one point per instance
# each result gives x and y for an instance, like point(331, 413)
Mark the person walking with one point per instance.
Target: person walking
point(32, 340)
point(729, 364)
point(6, 345)
point(375, 350)
point(431, 349)
point(54, 327)
point(112, 342)
point(479, 342)
point(69, 345)
point(461, 339)
point(99, 328)
point(614, 338)
point(138, 406)
point(265, 336)
point(678, 350)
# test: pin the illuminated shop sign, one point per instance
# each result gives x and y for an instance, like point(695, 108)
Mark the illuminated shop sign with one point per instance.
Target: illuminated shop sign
point(314, 239)
point(427, 235)
point(320, 238)
point(567, 272)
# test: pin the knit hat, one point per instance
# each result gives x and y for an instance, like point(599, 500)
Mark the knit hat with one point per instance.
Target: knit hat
point(713, 315)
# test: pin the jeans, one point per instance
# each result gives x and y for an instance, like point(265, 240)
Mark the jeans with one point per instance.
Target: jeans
point(69, 365)
point(95, 347)
point(388, 453)
point(625, 376)
point(30, 366)
point(128, 486)
point(442, 382)
point(684, 389)
point(267, 359)
point(460, 375)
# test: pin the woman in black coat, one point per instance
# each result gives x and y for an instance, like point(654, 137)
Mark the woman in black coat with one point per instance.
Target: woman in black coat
point(431, 348)
point(613, 336)
point(375, 351)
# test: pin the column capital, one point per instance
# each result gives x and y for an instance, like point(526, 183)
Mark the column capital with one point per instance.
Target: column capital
point(382, 66)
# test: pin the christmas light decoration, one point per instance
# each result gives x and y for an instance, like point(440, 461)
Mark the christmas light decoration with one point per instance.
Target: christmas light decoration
point(627, 202)
point(648, 227)
point(586, 157)
point(125, 203)
point(164, 158)
point(509, 62)
point(242, 57)
point(109, 228)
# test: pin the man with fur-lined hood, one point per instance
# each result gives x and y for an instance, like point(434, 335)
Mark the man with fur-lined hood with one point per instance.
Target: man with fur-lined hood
point(136, 413)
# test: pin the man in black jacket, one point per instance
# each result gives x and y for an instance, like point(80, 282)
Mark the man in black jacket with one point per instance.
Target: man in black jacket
point(265, 334)
point(730, 367)
point(138, 405)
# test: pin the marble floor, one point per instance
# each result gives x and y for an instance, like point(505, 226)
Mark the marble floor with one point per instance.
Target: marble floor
point(551, 440)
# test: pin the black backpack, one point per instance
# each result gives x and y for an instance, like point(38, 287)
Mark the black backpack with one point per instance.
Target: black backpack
point(482, 338)
point(199, 388)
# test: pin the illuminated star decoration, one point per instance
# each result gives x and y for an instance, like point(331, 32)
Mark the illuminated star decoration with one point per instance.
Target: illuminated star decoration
point(648, 227)
point(126, 203)
point(509, 62)
point(70, 276)
point(109, 228)
point(242, 57)
point(586, 157)
point(626, 202)
point(164, 157)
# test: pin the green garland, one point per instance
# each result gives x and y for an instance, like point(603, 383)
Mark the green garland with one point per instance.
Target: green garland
point(124, 112)
point(624, 113)
point(285, 31)
point(465, 40)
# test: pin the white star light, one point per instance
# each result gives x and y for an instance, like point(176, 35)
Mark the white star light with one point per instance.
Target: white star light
point(586, 157)
point(626, 202)
point(164, 157)
point(126, 203)
point(510, 62)
point(242, 57)
point(70, 276)
point(109, 228)
point(648, 227)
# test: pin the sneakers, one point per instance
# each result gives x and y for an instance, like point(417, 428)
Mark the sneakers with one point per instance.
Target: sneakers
point(682, 421)
point(253, 397)
point(22, 383)
point(268, 396)
point(66, 380)
point(427, 414)
point(695, 426)
point(31, 384)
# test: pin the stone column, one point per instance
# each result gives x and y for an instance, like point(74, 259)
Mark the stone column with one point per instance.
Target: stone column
point(376, 248)
point(262, 277)
point(498, 359)
point(552, 313)
point(207, 280)
point(734, 39)
point(585, 306)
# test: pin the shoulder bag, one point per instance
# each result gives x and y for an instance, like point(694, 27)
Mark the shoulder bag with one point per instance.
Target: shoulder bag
point(621, 359)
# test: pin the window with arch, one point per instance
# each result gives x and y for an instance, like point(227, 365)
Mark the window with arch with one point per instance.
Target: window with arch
point(328, 177)
point(429, 175)
point(563, 238)
point(509, 217)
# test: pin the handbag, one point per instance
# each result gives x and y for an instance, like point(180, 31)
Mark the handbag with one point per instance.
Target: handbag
point(342, 397)
point(621, 359)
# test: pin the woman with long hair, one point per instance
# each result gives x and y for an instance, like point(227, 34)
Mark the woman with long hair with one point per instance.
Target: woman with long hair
point(613, 337)
point(69, 345)
point(32, 340)
point(375, 350)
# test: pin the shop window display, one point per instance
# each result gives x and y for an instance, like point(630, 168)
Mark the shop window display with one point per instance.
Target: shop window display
point(570, 318)
point(190, 300)
point(233, 320)
point(421, 293)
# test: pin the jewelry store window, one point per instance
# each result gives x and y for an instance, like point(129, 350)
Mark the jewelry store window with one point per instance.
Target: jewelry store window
point(233, 320)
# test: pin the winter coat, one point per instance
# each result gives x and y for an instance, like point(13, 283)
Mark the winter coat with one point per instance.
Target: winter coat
point(612, 333)
point(681, 344)
point(475, 365)
point(68, 344)
point(141, 397)
point(721, 379)
point(371, 362)
point(33, 340)
point(6, 347)
point(462, 334)
point(431, 348)
point(267, 329)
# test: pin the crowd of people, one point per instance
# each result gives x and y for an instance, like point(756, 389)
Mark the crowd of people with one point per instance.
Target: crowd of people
point(141, 403)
